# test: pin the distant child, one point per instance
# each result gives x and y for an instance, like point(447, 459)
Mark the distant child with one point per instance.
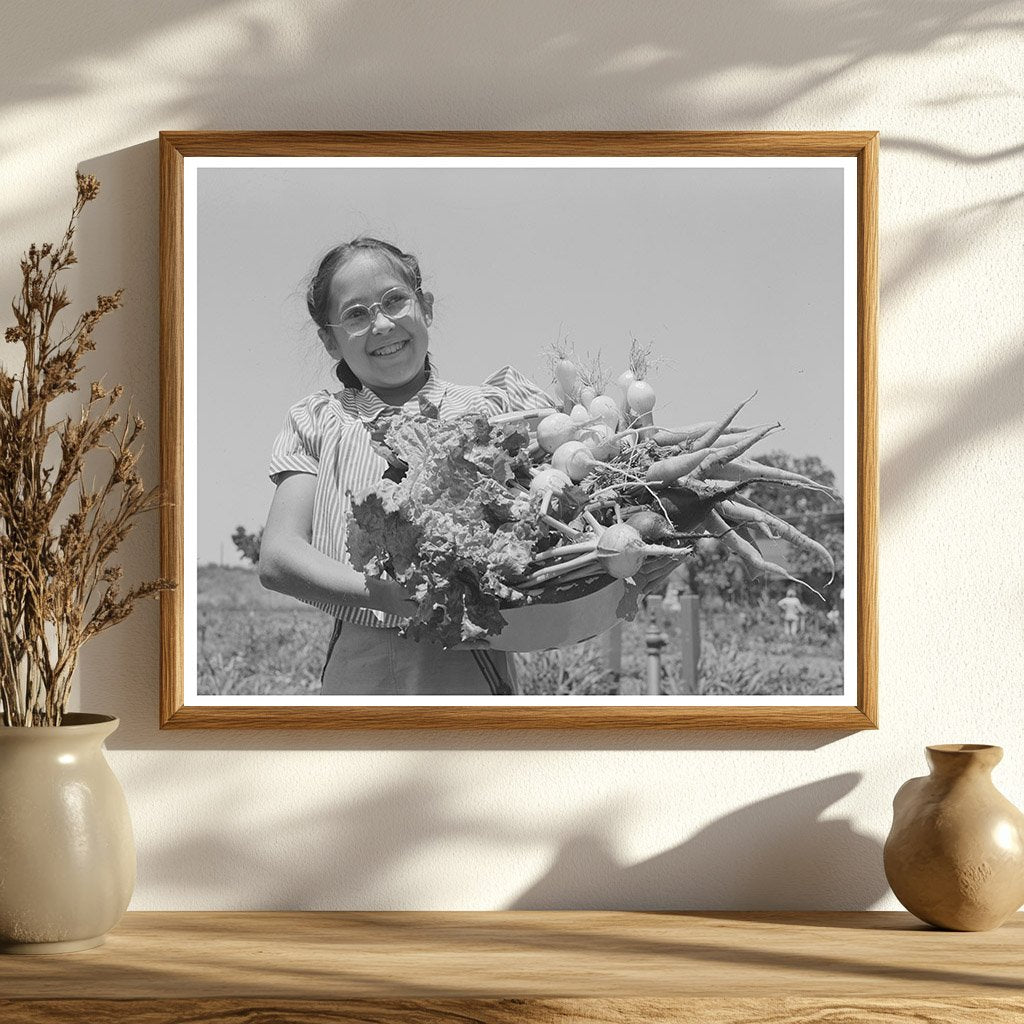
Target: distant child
point(793, 611)
point(832, 619)
point(372, 316)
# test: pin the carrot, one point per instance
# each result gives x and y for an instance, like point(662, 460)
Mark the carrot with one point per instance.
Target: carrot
point(751, 556)
point(751, 471)
point(716, 429)
point(742, 512)
point(731, 436)
point(722, 456)
point(687, 435)
point(667, 470)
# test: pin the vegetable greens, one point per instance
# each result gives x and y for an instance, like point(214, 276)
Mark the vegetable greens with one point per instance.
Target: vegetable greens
point(449, 530)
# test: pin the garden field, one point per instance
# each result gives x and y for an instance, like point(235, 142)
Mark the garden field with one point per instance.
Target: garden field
point(252, 641)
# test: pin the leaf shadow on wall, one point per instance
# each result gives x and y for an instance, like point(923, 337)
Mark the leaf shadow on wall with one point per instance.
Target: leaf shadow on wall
point(416, 841)
point(537, 64)
point(962, 417)
point(425, 848)
point(775, 854)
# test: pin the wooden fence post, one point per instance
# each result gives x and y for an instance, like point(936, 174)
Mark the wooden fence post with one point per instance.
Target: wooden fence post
point(689, 643)
point(613, 650)
point(655, 641)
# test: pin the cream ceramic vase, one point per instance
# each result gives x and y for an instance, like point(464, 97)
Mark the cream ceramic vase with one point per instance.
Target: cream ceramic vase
point(955, 855)
point(67, 855)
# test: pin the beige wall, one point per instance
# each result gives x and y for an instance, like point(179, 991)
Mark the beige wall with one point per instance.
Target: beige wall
point(632, 820)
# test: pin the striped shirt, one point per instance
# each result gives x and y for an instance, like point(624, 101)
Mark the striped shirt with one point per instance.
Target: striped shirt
point(326, 434)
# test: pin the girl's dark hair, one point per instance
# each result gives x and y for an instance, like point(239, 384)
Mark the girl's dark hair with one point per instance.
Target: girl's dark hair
point(318, 295)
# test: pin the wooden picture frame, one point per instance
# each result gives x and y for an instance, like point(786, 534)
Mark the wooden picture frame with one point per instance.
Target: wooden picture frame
point(855, 153)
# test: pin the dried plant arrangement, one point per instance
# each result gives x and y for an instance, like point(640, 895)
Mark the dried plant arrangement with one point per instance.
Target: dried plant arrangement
point(58, 530)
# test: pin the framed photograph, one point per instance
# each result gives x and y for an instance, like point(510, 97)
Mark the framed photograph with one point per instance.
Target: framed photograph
point(519, 430)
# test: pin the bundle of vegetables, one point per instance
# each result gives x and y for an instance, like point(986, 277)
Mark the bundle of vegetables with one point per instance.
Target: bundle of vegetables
point(477, 515)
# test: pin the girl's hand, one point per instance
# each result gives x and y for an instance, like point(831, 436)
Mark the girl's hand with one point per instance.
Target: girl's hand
point(654, 573)
point(389, 597)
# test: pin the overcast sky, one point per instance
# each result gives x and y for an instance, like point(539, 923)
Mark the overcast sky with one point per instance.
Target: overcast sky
point(734, 275)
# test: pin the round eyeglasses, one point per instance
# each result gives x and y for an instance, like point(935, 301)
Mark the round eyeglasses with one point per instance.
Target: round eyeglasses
point(394, 304)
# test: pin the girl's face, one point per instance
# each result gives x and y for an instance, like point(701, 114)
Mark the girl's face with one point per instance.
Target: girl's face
point(391, 352)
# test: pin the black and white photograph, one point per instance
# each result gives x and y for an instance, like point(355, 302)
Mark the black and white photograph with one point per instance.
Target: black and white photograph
point(520, 431)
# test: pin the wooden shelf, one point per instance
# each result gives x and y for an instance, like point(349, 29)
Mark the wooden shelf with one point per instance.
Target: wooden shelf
point(524, 966)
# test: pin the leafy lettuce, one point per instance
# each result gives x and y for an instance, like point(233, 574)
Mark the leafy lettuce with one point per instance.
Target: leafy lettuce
point(447, 526)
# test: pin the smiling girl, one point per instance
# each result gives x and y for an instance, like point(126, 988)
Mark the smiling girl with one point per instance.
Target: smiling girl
point(373, 318)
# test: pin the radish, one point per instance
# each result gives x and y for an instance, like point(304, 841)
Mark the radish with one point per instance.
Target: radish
point(651, 526)
point(565, 374)
point(554, 430)
point(606, 409)
point(587, 395)
point(640, 399)
point(640, 396)
point(625, 379)
point(579, 414)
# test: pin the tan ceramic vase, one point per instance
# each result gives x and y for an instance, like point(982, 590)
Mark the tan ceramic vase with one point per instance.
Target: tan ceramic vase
point(955, 855)
point(67, 855)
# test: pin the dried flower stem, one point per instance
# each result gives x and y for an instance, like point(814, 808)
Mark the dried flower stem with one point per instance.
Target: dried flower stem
point(57, 588)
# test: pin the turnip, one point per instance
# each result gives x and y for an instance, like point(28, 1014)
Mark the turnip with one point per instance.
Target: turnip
point(577, 461)
point(621, 549)
point(550, 483)
point(600, 439)
point(554, 430)
point(549, 479)
point(618, 549)
point(574, 459)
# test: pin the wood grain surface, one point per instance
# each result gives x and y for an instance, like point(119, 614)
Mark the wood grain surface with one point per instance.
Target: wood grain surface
point(593, 966)
point(516, 1011)
point(175, 147)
